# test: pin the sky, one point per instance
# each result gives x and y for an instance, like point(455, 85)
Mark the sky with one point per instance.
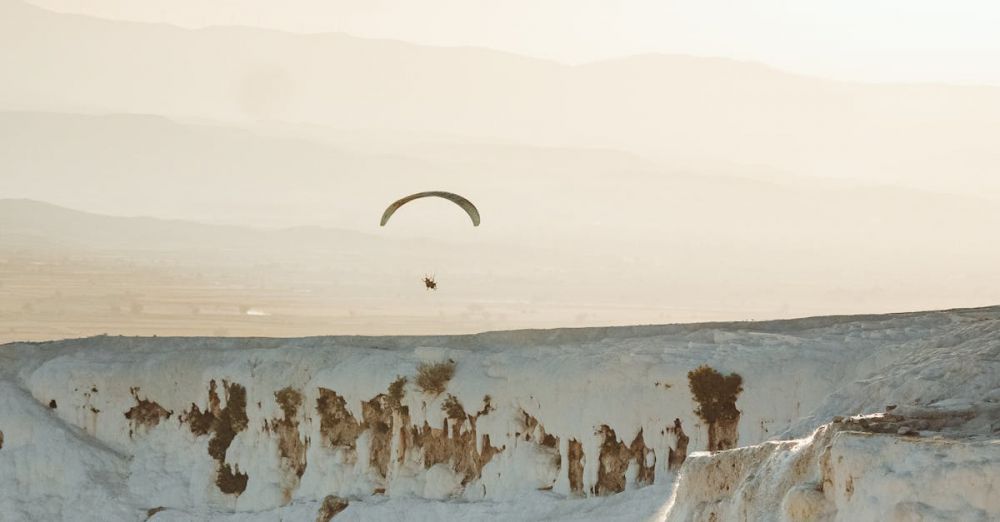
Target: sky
point(953, 41)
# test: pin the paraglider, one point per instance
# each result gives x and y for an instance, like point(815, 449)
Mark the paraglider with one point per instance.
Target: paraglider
point(465, 204)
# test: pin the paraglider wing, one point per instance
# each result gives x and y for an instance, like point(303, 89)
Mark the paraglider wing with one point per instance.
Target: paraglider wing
point(466, 205)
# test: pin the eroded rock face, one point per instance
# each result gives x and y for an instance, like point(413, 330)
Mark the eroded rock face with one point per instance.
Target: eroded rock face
point(571, 406)
point(223, 424)
point(613, 462)
point(394, 442)
point(615, 458)
point(455, 442)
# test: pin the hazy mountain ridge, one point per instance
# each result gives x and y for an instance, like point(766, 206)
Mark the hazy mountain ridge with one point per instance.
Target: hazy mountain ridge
point(687, 110)
point(120, 162)
point(27, 219)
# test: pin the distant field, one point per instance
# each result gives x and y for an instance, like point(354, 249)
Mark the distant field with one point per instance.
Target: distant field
point(45, 298)
point(66, 273)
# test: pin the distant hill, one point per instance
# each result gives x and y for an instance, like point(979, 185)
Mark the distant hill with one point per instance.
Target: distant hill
point(690, 111)
point(26, 222)
point(148, 165)
point(529, 196)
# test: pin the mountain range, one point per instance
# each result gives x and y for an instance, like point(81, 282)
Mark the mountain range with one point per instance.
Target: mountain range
point(689, 112)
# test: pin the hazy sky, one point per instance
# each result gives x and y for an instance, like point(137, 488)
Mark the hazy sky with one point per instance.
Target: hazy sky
point(953, 41)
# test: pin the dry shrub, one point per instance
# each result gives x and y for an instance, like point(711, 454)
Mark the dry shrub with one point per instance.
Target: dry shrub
point(716, 394)
point(433, 377)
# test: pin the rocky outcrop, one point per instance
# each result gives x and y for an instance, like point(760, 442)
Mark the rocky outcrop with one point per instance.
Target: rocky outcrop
point(250, 425)
point(902, 477)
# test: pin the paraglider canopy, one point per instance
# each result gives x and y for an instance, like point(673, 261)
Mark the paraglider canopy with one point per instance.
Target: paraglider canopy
point(466, 205)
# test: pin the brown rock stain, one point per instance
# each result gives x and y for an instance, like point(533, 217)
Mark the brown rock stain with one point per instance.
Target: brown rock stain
point(532, 431)
point(645, 459)
point(614, 459)
point(337, 425)
point(678, 454)
point(331, 506)
point(377, 418)
point(397, 390)
point(230, 481)
point(612, 463)
point(575, 466)
point(455, 443)
point(387, 421)
point(223, 424)
point(145, 414)
point(723, 434)
point(291, 446)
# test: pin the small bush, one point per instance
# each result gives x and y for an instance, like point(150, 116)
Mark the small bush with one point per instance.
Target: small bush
point(433, 378)
point(715, 393)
